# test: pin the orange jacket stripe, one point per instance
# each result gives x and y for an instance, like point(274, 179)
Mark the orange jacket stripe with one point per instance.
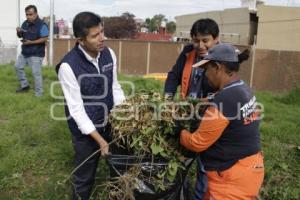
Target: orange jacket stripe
point(210, 129)
point(186, 74)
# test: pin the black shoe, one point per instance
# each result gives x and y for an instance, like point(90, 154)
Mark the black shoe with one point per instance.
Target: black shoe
point(22, 89)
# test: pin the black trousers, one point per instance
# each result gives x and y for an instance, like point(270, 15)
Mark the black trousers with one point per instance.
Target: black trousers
point(84, 177)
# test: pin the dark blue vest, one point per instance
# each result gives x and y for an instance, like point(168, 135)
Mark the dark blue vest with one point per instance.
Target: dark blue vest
point(33, 33)
point(95, 88)
point(240, 138)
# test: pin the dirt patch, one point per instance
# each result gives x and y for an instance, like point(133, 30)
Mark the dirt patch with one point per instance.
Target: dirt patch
point(9, 195)
point(3, 120)
point(31, 179)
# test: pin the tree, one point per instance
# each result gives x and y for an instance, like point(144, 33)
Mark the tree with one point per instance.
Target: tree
point(147, 23)
point(155, 22)
point(171, 27)
point(120, 27)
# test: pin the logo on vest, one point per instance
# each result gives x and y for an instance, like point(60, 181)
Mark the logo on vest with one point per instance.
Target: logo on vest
point(107, 67)
point(250, 112)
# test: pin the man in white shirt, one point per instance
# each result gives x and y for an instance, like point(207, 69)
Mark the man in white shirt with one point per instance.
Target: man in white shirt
point(88, 77)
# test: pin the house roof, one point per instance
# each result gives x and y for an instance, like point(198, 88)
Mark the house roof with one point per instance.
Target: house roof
point(152, 37)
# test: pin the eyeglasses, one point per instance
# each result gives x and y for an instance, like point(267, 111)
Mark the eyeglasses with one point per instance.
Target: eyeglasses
point(29, 14)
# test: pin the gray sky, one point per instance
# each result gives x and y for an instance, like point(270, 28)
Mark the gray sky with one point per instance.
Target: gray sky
point(67, 9)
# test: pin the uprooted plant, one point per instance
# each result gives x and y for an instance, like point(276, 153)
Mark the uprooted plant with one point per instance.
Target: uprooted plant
point(148, 127)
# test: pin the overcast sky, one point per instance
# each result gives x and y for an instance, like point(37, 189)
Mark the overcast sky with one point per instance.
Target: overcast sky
point(67, 9)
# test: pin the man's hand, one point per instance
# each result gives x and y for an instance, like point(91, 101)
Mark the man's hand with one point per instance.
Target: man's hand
point(178, 128)
point(18, 29)
point(104, 148)
point(20, 32)
point(27, 42)
point(101, 141)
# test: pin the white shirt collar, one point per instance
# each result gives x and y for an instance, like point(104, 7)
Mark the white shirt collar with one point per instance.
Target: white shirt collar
point(88, 57)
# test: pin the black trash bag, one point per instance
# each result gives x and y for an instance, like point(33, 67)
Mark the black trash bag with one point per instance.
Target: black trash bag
point(176, 190)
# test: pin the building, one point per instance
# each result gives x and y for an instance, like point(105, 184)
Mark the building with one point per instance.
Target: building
point(278, 28)
point(153, 37)
point(237, 25)
point(144, 35)
point(140, 25)
point(273, 33)
point(270, 27)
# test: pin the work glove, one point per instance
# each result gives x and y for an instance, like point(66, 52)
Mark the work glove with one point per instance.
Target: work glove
point(177, 129)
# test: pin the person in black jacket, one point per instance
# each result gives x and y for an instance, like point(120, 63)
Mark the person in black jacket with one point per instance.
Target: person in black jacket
point(34, 34)
point(205, 35)
point(88, 77)
point(194, 83)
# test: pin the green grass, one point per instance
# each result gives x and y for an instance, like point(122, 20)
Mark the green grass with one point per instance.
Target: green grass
point(36, 151)
point(280, 131)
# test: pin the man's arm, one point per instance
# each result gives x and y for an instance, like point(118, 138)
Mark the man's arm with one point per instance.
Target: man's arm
point(102, 142)
point(75, 105)
point(118, 93)
point(38, 41)
point(43, 37)
point(175, 75)
point(209, 131)
point(172, 81)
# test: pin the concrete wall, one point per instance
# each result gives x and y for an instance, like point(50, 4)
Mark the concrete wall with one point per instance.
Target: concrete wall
point(8, 55)
point(60, 48)
point(276, 70)
point(235, 25)
point(133, 57)
point(269, 70)
point(278, 28)
point(163, 56)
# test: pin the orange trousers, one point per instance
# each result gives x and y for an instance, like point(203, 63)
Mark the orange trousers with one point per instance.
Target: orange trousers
point(240, 182)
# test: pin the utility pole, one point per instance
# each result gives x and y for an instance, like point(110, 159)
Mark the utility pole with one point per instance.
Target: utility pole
point(50, 62)
point(18, 14)
point(17, 42)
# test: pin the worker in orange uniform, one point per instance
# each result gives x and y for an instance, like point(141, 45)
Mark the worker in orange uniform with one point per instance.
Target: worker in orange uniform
point(193, 82)
point(228, 138)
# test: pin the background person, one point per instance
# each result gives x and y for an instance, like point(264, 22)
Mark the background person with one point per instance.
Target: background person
point(34, 33)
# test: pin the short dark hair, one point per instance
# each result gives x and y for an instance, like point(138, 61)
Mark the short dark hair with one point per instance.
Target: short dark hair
point(205, 26)
point(31, 7)
point(83, 22)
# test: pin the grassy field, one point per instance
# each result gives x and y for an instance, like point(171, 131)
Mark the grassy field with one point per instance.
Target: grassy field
point(36, 152)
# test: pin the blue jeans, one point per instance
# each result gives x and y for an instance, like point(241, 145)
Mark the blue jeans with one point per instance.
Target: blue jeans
point(35, 63)
point(201, 184)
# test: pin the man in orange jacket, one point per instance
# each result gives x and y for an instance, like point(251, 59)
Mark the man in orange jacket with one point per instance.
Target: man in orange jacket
point(194, 84)
point(204, 34)
point(228, 136)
